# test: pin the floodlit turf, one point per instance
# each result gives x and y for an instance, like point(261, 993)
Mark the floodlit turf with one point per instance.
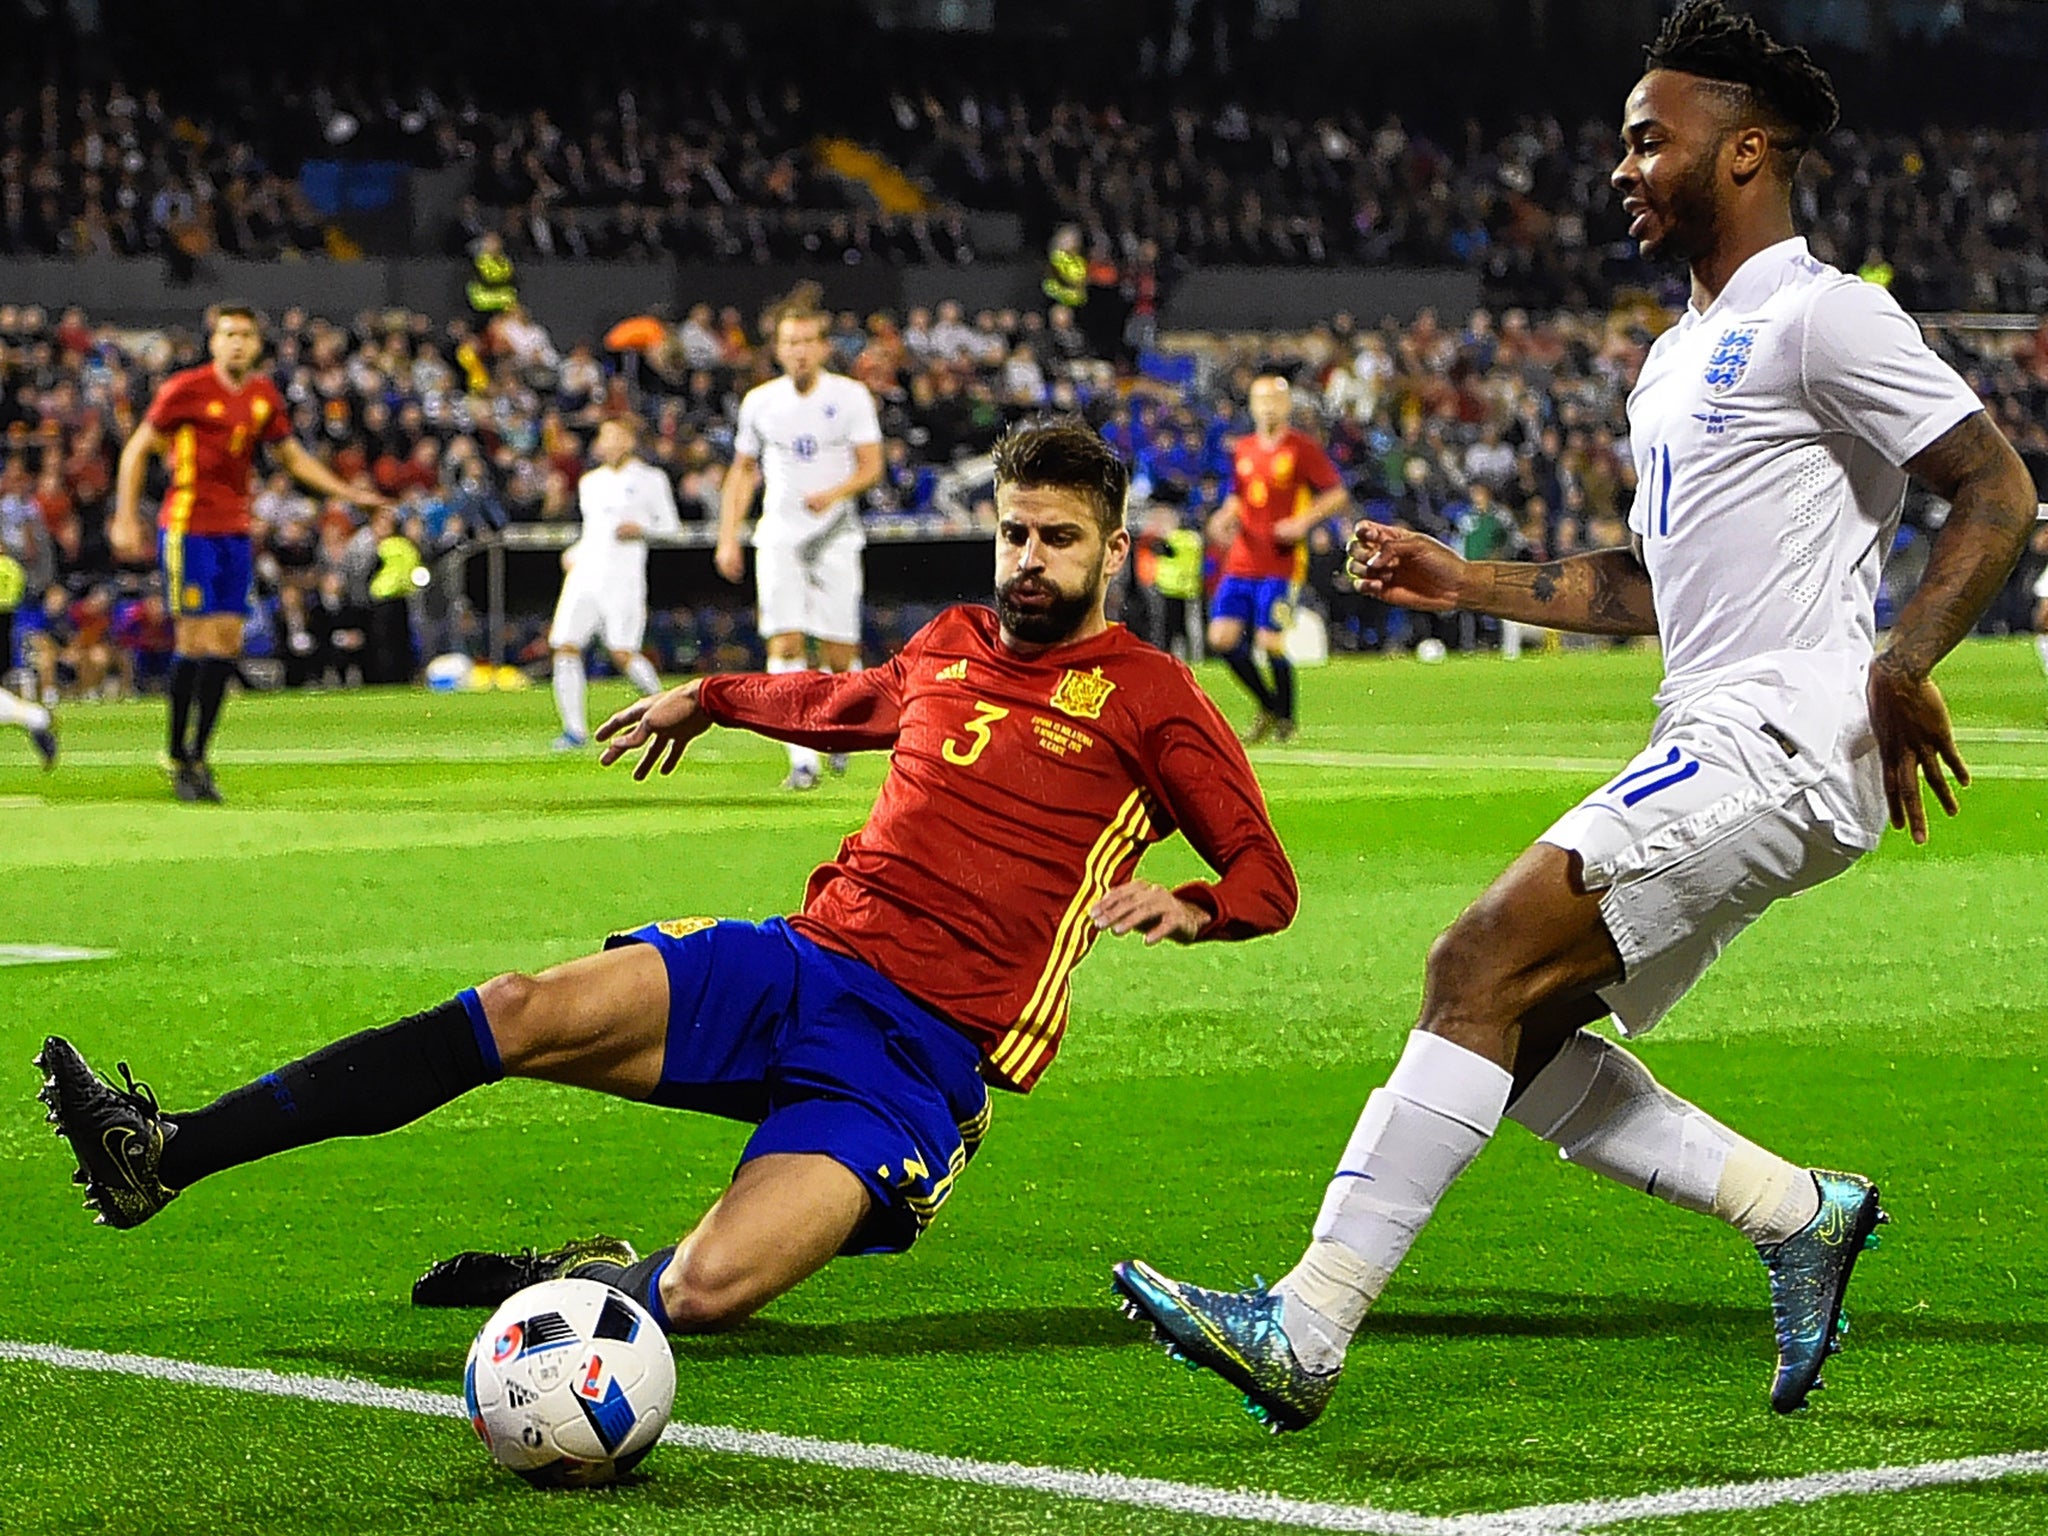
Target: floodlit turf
point(1551, 1339)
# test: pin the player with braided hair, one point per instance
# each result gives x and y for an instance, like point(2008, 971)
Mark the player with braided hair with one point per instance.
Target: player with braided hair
point(1773, 429)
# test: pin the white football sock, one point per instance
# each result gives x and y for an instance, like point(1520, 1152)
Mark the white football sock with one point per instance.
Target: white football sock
point(1417, 1134)
point(799, 757)
point(2041, 648)
point(14, 711)
point(1601, 1108)
point(569, 692)
point(641, 674)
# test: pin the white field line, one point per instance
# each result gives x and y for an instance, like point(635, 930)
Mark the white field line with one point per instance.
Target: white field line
point(1474, 762)
point(48, 954)
point(1101, 1487)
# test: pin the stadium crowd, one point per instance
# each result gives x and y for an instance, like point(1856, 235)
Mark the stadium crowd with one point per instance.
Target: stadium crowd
point(1506, 436)
point(1951, 219)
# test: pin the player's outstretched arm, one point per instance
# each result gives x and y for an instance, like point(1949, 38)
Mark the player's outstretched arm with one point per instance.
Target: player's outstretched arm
point(664, 725)
point(317, 477)
point(1606, 592)
point(1992, 507)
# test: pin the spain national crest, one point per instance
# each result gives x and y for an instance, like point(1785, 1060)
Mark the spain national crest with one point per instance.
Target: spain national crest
point(1731, 358)
point(1082, 694)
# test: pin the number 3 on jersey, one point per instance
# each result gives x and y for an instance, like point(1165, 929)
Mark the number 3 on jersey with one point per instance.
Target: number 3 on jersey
point(962, 756)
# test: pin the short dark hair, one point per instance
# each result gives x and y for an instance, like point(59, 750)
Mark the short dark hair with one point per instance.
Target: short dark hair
point(1064, 453)
point(1782, 84)
point(234, 309)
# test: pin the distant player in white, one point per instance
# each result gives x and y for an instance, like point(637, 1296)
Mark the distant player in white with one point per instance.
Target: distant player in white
point(813, 438)
point(604, 593)
point(1773, 431)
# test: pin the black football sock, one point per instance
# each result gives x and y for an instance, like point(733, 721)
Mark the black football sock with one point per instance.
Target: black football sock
point(184, 685)
point(640, 1281)
point(1247, 670)
point(1283, 685)
point(370, 1083)
point(214, 673)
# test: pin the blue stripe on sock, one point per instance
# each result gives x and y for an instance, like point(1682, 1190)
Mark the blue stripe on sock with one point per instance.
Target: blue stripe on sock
point(486, 1042)
point(652, 1299)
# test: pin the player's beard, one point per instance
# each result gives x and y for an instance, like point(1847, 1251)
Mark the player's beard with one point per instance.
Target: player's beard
point(1692, 222)
point(1056, 619)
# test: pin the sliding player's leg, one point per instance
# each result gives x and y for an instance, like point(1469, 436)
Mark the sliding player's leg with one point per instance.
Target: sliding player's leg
point(597, 1022)
point(868, 1109)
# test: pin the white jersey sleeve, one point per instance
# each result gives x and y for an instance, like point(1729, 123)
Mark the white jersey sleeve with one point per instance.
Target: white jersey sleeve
point(1868, 372)
point(865, 426)
point(746, 437)
point(662, 516)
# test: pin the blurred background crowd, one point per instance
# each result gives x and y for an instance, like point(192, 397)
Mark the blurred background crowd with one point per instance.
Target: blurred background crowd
point(1185, 136)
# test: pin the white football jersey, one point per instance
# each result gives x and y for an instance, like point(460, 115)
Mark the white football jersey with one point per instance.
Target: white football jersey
point(1768, 433)
point(636, 492)
point(805, 443)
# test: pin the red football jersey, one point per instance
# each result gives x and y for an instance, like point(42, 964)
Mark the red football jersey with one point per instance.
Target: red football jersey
point(1019, 791)
point(213, 432)
point(1271, 485)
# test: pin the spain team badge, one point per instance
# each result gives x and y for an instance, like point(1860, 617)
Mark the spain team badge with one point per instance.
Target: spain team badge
point(1082, 694)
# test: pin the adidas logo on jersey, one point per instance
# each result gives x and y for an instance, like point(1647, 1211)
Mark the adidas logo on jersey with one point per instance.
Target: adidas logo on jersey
point(956, 673)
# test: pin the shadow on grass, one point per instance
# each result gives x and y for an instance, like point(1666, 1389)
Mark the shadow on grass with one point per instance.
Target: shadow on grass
point(1424, 1314)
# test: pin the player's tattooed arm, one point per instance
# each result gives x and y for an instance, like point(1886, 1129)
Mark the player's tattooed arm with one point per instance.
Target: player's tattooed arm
point(1603, 593)
point(1606, 592)
point(1992, 508)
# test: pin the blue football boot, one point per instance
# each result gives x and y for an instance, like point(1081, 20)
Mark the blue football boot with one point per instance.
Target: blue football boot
point(1809, 1277)
point(1236, 1334)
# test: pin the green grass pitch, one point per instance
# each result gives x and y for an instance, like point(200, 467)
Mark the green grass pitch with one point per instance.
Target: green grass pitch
point(1551, 1339)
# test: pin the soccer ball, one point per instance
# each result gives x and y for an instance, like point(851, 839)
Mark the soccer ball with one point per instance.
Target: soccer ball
point(569, 1383)
point(1431, 650)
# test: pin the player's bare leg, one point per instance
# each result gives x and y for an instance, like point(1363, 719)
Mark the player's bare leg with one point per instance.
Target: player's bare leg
point(784, 1217)
point(1509, 988)
point(787, 653)
point(207, 648)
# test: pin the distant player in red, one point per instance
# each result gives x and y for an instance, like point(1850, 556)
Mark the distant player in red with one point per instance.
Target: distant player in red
point(1282, 485)
point(207, 422)
point(1035, 750)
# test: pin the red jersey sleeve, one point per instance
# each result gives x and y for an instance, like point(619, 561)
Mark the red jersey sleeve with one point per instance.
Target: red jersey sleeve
point(173, 405)
point(1315, 468)
point(277, 426)
point(842, 712)
point(1201, 776)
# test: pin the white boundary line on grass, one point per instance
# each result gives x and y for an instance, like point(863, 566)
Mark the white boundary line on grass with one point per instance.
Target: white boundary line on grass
point(1098, 1487)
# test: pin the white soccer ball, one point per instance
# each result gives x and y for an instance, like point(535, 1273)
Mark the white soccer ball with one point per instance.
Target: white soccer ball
point(569, 1383)
point(1430, 651)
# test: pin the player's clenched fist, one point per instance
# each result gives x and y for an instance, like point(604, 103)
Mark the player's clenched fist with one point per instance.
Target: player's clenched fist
point(664, 724)
point(1405, 568)
point(729, 560)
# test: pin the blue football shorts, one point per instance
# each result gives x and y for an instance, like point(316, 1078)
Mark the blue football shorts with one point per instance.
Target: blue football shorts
point(207, 573)
point(1262, 602)
point(824, 1055)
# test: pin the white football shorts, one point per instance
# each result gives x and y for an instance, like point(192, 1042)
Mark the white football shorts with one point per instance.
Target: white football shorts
point(617, 612)
point(810, 591)
point(1707, 826)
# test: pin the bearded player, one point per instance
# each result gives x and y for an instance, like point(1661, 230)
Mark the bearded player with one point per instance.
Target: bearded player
point(1035, 752)
point(1774, 429)
point(207, 422)
point(1282, 485)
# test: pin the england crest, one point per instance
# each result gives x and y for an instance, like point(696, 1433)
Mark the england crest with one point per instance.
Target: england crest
point(1731, 358)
